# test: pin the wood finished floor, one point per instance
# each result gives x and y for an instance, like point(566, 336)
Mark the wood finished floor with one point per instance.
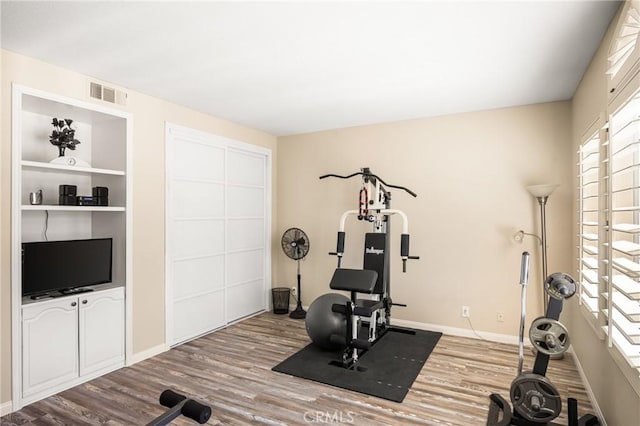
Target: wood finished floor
point(230, 370)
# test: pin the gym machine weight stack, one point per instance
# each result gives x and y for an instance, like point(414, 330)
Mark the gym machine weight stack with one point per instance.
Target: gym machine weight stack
point(536, 401)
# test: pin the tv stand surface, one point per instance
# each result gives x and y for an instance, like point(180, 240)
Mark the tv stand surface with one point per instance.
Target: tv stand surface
point(78, 290)
point(40, 296)
point(61, 293)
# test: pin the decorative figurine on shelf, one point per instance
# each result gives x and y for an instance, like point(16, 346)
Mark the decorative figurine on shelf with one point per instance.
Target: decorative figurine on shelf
point(63, 136)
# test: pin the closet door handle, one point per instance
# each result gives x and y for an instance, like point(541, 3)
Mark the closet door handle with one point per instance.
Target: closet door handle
point(84, 302)
point(73, 303)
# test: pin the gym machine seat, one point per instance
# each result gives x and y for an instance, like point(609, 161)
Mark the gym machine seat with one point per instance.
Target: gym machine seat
point(358, 280)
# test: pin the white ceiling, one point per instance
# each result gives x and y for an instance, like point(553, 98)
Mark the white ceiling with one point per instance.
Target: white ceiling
point(296, 67)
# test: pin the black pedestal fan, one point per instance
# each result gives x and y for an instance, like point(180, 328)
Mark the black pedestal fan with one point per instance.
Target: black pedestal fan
point(295, 244)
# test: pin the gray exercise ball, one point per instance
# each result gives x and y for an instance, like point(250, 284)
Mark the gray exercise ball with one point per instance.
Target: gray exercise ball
point(321, 322)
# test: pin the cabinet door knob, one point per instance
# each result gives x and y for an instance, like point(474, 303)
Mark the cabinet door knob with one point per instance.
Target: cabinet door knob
point(73, 303)
point(84, 302)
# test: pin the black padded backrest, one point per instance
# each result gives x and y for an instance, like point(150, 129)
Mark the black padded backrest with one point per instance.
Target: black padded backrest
point(375, 246)
point(358, 280)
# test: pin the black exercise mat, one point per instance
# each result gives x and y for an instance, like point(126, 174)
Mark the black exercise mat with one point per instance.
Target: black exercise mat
point(392, 364)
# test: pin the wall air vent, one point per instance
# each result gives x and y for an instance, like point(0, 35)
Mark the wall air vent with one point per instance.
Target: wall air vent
point(107, 94)
point(95, 90)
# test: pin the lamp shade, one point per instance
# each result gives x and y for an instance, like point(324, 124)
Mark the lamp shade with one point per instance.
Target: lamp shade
point(541, 190)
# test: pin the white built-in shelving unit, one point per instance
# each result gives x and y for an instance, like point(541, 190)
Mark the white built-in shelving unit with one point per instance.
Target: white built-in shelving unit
point(93, 330)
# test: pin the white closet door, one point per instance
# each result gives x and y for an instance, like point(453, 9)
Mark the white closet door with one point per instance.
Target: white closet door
point(245, 233)
point(216, 236)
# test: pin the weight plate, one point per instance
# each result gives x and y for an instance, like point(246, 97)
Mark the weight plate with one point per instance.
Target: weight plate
point(549, 336)
point(560, 285)
point(535, 398)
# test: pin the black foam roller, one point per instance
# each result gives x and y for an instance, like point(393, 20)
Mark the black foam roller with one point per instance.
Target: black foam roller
point(169, 398)
point(196, 411)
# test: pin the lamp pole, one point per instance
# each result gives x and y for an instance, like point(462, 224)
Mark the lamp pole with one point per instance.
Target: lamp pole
point(542, 193)
point(543, 223)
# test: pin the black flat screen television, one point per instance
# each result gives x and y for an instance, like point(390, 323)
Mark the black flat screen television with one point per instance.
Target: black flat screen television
point(61, 266)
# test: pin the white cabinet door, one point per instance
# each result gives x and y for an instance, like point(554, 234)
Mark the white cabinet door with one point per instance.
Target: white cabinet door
point(50, 344)
point(101, 324)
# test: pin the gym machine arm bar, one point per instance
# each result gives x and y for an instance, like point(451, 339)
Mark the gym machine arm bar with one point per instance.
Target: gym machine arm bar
point(407, 190)
point(179, 405)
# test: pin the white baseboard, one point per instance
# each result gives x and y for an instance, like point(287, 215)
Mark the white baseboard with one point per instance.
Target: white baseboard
point(461, 332)
point(6, 408)
point(151, 352)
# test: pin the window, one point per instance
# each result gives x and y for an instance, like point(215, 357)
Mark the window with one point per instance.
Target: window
point(589, 167)
point(623, 52)
point(621, 295)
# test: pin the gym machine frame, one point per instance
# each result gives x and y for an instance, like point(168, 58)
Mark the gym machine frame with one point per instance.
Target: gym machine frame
point(535, 399)
point(374, 278)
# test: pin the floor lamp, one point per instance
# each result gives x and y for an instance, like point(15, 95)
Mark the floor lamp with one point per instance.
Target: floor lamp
point(542, 193)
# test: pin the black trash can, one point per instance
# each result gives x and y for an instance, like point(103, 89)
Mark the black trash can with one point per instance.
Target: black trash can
point(280, 300)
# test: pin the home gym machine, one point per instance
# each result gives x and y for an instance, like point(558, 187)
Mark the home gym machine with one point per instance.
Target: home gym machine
point(180, 405)
point(536, 401)
point(373, 279)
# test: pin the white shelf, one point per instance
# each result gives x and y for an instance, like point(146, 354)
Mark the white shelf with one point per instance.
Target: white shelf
point(42, 207)
point(73, 169)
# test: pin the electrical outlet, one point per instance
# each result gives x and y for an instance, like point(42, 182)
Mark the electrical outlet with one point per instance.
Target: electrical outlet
point(500, 317)
point(465, 312)
point(293, 291)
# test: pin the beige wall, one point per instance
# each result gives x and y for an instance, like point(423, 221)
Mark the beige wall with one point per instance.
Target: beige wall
point(470, 172)
point(618, 401)
point(149, 117)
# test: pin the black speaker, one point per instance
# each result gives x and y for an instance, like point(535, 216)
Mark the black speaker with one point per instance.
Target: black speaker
point(100, 191)
point(68, 190)
point(101, 194)
point(67, 200)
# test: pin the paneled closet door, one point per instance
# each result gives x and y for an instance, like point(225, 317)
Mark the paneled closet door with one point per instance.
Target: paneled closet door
point(245, 233)
point(216, 233)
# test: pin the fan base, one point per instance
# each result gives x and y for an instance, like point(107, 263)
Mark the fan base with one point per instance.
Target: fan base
point(298, 313)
